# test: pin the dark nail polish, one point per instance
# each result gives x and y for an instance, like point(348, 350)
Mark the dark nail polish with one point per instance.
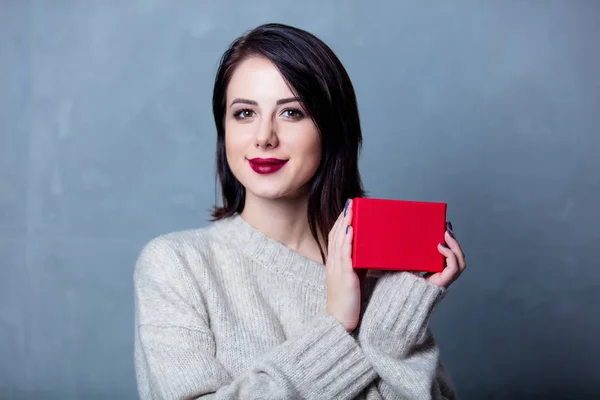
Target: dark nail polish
point(347, 228)
point(450, 226)
point(444, 245)
point(346, 207)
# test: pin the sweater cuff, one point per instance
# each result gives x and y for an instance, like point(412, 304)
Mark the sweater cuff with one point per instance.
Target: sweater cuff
point(399, 309)
point(325, 360)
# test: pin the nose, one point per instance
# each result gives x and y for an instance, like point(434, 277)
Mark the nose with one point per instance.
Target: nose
point(266, 136)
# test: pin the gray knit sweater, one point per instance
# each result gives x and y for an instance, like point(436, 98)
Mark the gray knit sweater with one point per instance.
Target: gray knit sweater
point(225, 312)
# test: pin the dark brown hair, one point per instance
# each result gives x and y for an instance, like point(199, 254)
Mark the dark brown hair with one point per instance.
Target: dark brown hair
point(319, 79)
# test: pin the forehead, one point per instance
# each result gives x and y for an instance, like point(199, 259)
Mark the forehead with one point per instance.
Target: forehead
point(257, 78)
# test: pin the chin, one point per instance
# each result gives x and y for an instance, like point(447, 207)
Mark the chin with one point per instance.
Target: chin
point(269, 193)
point(276, 190)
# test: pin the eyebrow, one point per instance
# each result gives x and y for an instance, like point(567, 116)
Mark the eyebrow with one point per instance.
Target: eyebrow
point(288, 100)
point(254, 103)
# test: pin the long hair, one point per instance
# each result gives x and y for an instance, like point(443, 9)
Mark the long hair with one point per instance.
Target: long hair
point(321, 82)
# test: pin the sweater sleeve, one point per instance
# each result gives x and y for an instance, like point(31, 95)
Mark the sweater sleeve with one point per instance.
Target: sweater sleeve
point(395, 338)
point(175, 351)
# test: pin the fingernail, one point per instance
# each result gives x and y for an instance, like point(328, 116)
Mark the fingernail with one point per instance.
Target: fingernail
point(444, 245)
point(347, 228)
point(346, 207)
point(450, 226)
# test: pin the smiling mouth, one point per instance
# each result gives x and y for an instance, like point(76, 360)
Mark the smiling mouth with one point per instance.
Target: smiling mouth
point(265, 166)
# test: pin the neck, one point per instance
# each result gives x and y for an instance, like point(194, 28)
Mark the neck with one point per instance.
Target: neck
point(285, 220)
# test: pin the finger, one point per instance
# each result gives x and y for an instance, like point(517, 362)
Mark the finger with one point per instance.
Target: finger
point(333, 249)
point(449, 227)
point(456, 249)
point(343, 234)
point(451, 259)
point(334, 232)
point(343, 213)
point(450, 232)
point(347, 218)
point(452, 271)
point(347, 245)
point(331, 252)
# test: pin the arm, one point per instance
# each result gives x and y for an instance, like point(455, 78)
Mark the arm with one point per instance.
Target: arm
point(175, 352)
point(397, 342)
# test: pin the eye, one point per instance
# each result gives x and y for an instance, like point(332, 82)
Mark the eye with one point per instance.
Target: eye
point(293, 113)
point(243, 114)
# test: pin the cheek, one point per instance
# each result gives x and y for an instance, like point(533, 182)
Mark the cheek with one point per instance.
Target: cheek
point(312, 151)
point(234, 141)
point(229, 144)
point(234, 154)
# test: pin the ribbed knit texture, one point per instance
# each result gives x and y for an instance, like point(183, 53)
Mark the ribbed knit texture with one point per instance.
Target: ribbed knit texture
point(225, 312)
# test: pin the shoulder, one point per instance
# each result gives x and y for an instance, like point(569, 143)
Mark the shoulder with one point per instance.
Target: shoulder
point(167, 280)
point(174, 252)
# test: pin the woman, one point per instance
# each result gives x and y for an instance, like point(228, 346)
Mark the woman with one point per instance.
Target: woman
point(264, 303)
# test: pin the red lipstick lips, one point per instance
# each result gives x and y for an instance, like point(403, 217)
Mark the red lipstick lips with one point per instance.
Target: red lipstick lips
point(266, 165)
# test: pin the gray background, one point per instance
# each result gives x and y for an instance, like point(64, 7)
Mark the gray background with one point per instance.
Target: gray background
point(107, 140)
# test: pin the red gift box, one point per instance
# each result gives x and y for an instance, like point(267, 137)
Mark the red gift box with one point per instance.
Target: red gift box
point(398, 234)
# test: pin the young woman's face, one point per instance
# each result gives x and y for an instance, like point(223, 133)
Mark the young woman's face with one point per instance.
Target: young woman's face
point(273, 148)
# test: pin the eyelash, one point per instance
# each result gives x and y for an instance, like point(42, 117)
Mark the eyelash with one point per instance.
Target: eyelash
point(299, 113)
point(236, 114)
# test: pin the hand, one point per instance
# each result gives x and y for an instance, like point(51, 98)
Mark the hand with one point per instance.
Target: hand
point(343, 284)
point(455, 261)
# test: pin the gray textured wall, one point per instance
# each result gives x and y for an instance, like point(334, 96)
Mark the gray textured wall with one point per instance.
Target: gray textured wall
point(106, 140)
